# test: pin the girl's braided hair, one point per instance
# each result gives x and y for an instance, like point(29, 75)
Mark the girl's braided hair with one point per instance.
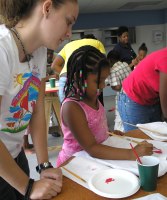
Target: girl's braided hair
point(87, 59)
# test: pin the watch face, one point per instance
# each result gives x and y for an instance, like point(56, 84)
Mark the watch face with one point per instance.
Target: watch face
point(43, 166)
point(46, 164)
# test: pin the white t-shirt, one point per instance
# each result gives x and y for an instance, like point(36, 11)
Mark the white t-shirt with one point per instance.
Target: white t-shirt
point(19, 88)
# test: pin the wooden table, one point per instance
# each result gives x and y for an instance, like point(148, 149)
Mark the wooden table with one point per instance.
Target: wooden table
point(73, 191)
point(52, 102)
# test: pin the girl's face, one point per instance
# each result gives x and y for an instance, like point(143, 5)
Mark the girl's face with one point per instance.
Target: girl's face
point(141, 54)
point(124, 38)
point(92, 82)
point(57, 23)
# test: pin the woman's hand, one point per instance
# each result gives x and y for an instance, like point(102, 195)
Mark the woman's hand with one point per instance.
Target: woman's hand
point(52, 173)
point(46, 189)
point(49, 185)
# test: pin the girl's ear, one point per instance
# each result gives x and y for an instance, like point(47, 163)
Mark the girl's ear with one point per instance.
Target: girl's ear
point(47, 6)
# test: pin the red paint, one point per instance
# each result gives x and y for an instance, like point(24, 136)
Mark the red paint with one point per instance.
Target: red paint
point(109, 180)
point(157, 151)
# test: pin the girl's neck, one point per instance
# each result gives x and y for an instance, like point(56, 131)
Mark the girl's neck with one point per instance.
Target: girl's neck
point(93, 102)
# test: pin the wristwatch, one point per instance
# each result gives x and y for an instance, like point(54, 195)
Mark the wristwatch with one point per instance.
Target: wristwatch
point(43, 166)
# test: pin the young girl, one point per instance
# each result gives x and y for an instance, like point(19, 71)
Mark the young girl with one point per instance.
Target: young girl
point(84, 122)
point(28, 27)
point(142, 52)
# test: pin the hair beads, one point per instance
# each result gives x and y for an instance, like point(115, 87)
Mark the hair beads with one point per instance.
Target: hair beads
point(98, 92)
point(83, 61)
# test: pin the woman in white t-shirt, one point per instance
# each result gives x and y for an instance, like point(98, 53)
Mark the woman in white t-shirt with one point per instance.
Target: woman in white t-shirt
point(28, 28)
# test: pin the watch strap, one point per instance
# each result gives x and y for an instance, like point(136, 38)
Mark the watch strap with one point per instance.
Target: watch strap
point(43, 166)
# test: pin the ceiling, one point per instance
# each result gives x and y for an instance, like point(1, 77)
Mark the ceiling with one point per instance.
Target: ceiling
point(97, 6)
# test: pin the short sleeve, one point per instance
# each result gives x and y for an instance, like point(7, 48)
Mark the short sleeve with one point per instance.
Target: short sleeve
point(62, 53)
point(4, 71)
point(162, 64)
point(101, 48)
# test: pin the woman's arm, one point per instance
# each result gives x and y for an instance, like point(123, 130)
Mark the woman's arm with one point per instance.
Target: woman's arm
point(39, 138)
point(38, 127)
point(163, 94)
point(11, 172)
point(74, 117)
point(39, 134)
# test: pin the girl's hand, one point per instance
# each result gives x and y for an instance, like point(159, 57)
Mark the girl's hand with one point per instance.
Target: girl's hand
point(135, 61)
point(116, 132)
point(45, 189)
point(144, 149)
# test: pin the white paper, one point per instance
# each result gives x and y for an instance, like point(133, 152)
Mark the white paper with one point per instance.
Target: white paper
point(155, 130)
point(129, 165)
point(84, 168)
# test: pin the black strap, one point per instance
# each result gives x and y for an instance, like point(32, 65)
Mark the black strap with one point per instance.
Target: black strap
point(43, 166)
point(29, 189)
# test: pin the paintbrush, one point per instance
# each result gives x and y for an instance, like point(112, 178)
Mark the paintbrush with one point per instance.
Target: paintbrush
point(135, 153)
point(75, 175)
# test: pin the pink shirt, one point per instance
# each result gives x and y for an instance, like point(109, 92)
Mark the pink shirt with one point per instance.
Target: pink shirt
point(97, 123)
point(142, 85)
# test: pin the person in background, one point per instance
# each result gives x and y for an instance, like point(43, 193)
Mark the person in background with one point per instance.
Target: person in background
point(83, 117)
point(118, 72)
point(124, 48)
point(28, 28)
point(144, 95)
point(142, 52)
point(59, 64)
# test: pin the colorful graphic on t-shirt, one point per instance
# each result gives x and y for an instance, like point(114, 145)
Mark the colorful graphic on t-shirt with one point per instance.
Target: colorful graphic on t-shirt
point(23, 103)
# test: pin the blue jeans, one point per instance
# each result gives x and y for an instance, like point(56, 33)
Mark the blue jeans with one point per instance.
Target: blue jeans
point(62, 82)
point(7, 192)
point(134, 113)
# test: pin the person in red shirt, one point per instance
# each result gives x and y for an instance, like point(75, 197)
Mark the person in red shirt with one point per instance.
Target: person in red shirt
point(144, 95)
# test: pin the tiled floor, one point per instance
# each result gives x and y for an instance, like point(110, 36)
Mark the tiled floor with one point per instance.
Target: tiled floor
point(109, 102)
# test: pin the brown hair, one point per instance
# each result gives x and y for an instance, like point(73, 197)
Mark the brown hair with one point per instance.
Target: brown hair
point(11, 11)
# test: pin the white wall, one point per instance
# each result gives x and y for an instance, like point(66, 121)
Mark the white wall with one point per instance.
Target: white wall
point(146, 34)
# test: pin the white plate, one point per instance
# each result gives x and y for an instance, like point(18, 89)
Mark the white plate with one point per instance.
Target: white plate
point(114, 183)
